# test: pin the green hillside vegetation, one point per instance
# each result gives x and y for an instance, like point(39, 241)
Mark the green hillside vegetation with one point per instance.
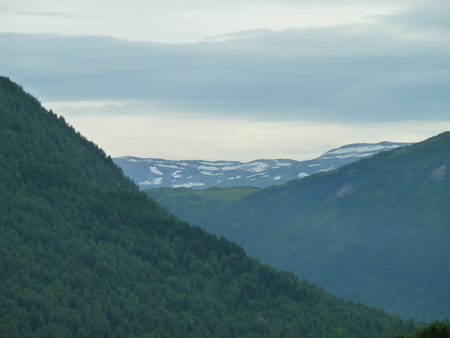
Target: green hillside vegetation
point(183, 201)
point(376, 231)
point(83, 253)
point(206, 195)
point(435, 329)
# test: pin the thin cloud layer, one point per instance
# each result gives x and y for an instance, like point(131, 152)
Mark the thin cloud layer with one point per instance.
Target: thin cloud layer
point(382, 64)
point(359, 72)
point(181, 21)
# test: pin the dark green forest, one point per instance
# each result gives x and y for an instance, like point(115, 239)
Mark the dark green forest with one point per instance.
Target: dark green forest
point(83, 253)
point(375, 231)
point(435, 329)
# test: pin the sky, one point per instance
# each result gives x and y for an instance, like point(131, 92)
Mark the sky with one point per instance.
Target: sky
point(234, 80)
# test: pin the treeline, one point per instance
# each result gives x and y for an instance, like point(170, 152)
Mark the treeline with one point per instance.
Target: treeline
point(435, 329)
point(83, 253)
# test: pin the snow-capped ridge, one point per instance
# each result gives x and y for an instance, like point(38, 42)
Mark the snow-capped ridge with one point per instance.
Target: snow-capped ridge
point(156, 172)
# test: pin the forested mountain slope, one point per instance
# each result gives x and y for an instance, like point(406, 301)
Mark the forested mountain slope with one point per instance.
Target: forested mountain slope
point(376, 230)
point(83, 253)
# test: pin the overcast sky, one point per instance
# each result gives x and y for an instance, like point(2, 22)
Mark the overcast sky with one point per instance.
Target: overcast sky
point(234, 80)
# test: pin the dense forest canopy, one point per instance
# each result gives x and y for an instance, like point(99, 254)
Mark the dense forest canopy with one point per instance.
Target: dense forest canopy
point(83, 253)
point(435, 329)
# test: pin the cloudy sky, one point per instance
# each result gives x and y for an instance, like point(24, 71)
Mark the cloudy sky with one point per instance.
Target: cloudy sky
point(234, 80)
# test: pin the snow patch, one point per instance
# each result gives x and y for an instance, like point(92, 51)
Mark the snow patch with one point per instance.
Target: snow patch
point(169, 166)
point(255, 175)
point(155, 171)
point(216, 163)
point(209, 173)
point(135, 160)
point(255, 167)
point(281, 164)
point(156, 181)
point(175, 174)
point(207, 168)
point(366, 149)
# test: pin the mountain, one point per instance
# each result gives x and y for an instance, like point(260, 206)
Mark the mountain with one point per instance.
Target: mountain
point(376, 230)
point(84, 253)
point(157, 173)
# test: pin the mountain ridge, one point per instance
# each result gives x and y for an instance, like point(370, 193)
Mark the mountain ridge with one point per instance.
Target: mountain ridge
point(200, 174)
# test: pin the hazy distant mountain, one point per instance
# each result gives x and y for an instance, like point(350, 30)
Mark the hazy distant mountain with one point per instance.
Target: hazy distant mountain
point(157, 173)
point(376, 230)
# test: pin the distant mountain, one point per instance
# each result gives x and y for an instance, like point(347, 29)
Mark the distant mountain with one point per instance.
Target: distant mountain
point(84, 253)
point(376, 230)
point(156, 173)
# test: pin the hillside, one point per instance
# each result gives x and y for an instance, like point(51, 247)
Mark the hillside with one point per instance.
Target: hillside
point(375, 231)
point(83, 253)
point(198, 174)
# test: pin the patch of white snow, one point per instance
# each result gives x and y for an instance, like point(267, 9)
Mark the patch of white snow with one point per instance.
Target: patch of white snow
point(209, 173)
point(281, 164)
point(255, 175)
point(175, 174)
point(169, 166)
point(361, 149)
point(255, 167)
point(216, 163)
point(156, 181)
point(155, 171)
point(207, 168)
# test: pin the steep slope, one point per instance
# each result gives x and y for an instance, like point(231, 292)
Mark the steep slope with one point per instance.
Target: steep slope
point(84, 253)
point(376, 230)
point(157, 173)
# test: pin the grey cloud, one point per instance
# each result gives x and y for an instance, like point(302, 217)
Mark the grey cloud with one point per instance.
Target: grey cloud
point(431, 14)
point(64, 15)
point(351, 2)
point(355, 72)
point(239, 35)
